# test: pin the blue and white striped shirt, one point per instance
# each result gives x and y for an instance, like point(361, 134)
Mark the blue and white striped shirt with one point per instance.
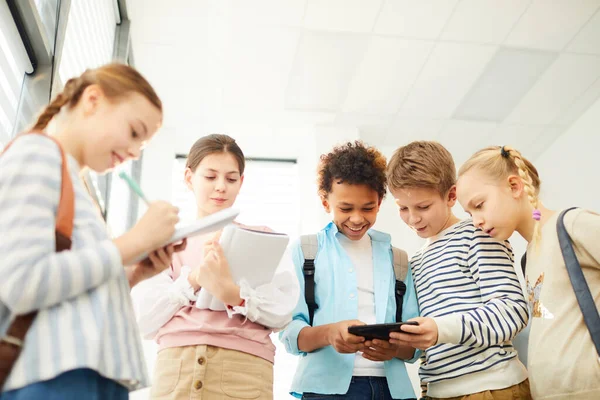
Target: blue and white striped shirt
point(85, 317)
point(466, 281)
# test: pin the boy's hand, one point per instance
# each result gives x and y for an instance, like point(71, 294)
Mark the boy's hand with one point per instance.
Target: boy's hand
point(421, 337)
point(342, 341)
point(380, 350)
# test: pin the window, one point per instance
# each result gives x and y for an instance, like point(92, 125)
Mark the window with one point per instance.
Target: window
point(90, 36)
point(48, 11)
point(118, 203)
point(269, 195)
point(14, 63)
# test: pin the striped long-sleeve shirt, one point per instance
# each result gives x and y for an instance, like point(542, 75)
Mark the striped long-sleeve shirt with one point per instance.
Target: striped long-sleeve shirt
point(466, 281)
point(85, 317)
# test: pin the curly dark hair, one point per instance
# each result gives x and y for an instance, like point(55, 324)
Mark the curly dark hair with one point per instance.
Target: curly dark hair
point(355, 164)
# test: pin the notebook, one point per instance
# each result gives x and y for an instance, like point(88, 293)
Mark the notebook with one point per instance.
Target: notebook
point(252, 255)
point(201, 226)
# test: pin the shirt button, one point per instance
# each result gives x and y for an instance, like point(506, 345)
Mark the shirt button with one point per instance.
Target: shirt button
point(198, 385)
point(350, 270)
point(201, 360)
point(351, 295)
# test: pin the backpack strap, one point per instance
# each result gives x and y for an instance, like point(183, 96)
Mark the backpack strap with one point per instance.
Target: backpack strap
point(591, 317)
point(400, 259)
point(310, 247)
point(12, 343)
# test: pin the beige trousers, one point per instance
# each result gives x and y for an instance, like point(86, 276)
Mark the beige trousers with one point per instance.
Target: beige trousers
point(210, 373)
point(515, 392)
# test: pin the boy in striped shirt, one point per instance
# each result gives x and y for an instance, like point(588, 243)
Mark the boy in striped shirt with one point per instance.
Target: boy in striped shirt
point(469, 295)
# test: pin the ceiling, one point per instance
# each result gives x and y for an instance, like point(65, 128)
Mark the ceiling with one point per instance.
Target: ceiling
point(467, 73)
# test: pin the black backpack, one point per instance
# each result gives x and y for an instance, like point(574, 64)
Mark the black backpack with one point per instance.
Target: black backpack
point(310, 247)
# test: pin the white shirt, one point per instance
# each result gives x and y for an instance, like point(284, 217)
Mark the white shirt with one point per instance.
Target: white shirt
point(361, 255)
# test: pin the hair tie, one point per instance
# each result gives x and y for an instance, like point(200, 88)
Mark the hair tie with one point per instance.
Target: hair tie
point(504, 153)
point(537, 214)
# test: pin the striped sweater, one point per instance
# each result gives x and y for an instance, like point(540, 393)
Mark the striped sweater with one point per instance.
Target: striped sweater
point(466, 282)
point(85, 317)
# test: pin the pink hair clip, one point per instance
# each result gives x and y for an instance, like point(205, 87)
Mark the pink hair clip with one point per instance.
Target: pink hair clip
point(537, 214)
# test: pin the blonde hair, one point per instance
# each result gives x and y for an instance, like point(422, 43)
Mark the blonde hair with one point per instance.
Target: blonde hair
point(422, 164)
point(115, 80)
point(499, 162)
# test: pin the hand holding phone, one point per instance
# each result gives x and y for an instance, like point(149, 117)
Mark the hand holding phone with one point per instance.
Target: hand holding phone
point(421, 337)
point(378, 331)
point(342, 340)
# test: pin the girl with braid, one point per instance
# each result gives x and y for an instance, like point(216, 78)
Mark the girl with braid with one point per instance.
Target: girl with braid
point(500, 189)
point(84, 342)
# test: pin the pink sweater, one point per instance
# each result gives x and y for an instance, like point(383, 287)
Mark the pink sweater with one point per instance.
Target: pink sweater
point(192, 326)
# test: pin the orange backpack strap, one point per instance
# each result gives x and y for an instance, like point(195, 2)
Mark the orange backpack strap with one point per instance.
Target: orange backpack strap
point(66, 205)
point(12, 342)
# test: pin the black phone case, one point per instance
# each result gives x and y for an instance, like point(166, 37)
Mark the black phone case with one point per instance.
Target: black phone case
point(378, 331)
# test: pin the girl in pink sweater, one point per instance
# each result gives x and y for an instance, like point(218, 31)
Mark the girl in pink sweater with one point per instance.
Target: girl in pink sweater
point(206, 354)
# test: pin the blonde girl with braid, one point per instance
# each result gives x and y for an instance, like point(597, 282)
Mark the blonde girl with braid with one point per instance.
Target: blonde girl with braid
point(500, 188)
point(84, 341)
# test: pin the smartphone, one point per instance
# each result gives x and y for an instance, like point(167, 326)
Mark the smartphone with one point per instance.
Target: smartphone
point(378, 331)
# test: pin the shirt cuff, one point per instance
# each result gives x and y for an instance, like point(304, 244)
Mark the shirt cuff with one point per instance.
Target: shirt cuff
point(248, 307)
point(449, 329)
point(289, 336)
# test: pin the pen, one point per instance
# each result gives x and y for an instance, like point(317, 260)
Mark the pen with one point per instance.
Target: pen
point(133, 186)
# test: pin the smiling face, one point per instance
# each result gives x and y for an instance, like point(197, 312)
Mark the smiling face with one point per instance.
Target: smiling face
point(216, 182)
point(495, 206)
point(354, 208)
point(115, 131)
point(424, 210)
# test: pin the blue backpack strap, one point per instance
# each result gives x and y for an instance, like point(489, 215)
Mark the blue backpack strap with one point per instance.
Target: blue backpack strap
point(580, 286)
point(310, 246)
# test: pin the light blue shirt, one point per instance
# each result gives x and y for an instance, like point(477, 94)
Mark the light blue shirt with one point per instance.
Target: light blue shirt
point(325, 371)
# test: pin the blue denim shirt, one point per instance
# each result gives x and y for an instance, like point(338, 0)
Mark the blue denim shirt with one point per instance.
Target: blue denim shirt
point(325, 371)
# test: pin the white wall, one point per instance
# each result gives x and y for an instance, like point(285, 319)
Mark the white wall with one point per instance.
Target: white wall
point(570, 167)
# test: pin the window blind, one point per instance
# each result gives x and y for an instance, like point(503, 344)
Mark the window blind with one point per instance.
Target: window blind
point(14, 63)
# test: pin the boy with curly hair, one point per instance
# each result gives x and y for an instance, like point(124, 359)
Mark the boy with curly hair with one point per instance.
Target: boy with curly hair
point(354, 284)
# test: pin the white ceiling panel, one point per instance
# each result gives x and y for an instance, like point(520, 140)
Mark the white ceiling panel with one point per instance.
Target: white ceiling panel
point(271, 12)
point(588, 39)
point(257, 64)
point(386, 75)
point(167, 22)
point(323, 67)
point(446, 78)
point(550, 25)
point(403, 131)
point(393, 70)
point(341, 15)
point(484, 21)
point(422, 19)
point(567, 79)
point(508, 76)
